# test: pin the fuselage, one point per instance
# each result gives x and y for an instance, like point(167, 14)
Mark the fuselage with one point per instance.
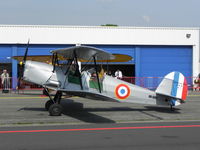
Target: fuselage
point(118, 90)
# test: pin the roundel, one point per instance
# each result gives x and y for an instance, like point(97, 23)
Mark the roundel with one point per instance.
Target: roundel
point(122, 91)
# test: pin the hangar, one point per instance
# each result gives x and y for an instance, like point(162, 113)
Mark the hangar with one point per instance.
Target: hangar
point(156, 51)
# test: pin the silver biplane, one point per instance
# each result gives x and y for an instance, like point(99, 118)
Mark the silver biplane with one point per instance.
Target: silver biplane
point(92, 84)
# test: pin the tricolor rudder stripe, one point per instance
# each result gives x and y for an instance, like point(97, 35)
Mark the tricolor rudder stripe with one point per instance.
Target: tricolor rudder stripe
point(185, 89)
point(173, 85)
point(179, 85)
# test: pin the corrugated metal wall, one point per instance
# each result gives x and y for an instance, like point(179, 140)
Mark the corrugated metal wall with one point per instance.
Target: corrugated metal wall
point(5, 53)
point(157, 61)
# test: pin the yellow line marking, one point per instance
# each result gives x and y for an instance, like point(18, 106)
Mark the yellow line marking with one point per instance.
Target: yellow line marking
point(21, 97)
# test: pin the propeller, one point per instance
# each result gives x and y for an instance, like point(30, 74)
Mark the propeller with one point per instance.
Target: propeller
point(26, 52)
point(22, 64)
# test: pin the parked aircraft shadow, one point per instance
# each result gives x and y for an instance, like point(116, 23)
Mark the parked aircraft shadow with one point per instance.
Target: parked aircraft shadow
point(83, 114)
point(146, 108)
point(87, 117)
point(163, 109)
point(79, 108)
point(76, 110)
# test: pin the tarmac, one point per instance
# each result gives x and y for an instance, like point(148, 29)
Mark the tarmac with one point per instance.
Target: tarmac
point(27, 108)
point(107, 136)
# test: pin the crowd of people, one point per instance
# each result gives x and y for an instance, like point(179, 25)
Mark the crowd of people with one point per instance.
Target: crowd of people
point(117, 74)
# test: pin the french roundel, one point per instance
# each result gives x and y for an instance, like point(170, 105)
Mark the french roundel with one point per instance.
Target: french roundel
point(122, 91)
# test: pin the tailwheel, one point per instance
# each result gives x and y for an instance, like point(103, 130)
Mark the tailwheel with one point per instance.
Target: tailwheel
point(171, 108)
point(55, 110)
point(48, 104)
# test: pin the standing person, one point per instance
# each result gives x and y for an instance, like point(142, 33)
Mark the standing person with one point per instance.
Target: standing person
point(109, 73)
point(5, 81)
point(197, 83)
point(118, 74)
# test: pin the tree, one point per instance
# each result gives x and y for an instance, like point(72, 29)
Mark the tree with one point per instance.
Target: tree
point(110, 25)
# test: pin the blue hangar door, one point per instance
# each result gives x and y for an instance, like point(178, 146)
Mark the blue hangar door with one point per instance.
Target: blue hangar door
point(157, 61)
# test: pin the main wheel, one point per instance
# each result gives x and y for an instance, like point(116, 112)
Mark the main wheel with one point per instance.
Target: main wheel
point(55, 110)
point(48, 104)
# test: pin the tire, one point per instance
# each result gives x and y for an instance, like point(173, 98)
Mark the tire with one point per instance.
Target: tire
point(55, 110)
point(48, 104)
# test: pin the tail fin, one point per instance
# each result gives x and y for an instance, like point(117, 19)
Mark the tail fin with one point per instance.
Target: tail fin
point(173, 85)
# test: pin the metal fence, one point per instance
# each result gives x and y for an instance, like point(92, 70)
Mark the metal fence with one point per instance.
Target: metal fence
point(19, 84)
point(153, 82)
point(146, 82)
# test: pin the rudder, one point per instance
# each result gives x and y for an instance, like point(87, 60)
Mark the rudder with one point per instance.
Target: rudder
point(173, 85)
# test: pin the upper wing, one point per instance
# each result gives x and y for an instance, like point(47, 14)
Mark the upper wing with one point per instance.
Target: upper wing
point(40, 58)
point(120, 58)
point(84, 53)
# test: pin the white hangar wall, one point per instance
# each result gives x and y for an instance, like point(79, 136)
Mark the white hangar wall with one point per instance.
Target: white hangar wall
point(98, 35)
point(42, 34)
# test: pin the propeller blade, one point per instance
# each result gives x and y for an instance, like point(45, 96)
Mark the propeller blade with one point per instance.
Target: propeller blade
point(26, 52)
point(22, 65)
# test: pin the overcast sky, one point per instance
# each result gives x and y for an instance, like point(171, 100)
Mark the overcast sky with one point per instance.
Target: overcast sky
point(177, 13)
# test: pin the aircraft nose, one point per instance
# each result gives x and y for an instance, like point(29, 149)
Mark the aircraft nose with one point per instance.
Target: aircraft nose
point(37, 72)
point(27, 65)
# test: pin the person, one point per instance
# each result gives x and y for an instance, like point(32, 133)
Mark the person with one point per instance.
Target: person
point(94, 75)
point(5, 81)
point(118, 74)
point(109, 73)
point(197, 83)
point(75, 69)
point(79, 65)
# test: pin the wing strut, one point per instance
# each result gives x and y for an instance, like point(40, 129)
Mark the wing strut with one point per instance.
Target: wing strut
point(54, 61)
point(95, 64)
point(77, 69)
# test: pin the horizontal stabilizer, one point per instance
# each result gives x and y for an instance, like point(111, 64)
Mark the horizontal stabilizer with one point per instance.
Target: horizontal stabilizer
point(173, 85)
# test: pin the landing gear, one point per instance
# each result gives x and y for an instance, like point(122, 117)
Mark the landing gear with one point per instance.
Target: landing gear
point(45, 92)
point(48, 104)
point(55, 110)
point(172, 103)
point(53, 105)
point(171, 107)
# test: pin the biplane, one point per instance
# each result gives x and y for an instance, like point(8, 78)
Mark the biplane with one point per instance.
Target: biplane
point(67, 78)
